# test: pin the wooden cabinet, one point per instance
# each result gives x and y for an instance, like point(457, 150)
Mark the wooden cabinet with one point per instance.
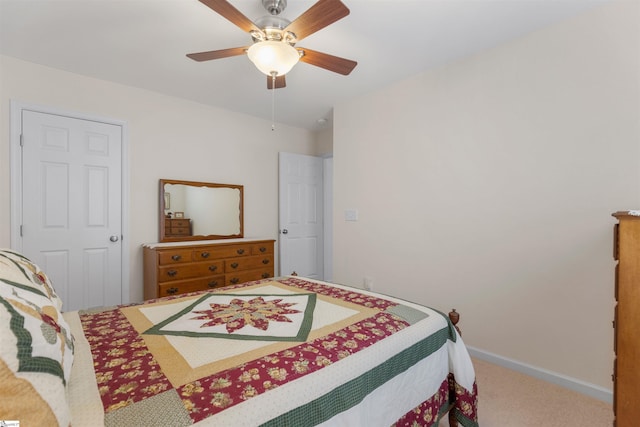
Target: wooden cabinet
point(177, 227)
point(171, 269)
point(626, 374)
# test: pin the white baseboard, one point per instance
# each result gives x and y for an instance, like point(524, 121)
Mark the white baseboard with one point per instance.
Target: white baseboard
point(588, 389)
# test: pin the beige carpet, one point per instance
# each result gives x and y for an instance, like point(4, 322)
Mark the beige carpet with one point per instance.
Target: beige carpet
point(507, 398)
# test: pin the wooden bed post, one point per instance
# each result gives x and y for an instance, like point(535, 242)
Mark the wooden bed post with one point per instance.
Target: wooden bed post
point(454, 316)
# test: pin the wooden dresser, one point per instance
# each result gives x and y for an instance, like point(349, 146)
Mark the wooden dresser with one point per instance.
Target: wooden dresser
point(171, 269)
point(177, 227)
point(626, 370)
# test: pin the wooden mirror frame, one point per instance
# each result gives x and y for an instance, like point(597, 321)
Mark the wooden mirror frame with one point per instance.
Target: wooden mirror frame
point(162, 229)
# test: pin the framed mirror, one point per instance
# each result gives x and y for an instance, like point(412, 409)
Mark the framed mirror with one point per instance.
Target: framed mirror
point(191, 210)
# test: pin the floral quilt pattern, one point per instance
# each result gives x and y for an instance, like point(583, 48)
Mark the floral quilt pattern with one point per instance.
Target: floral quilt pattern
point(239, 313)
point(244, 317)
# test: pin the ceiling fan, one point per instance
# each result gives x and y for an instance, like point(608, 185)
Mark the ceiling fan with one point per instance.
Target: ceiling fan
point(274, 38)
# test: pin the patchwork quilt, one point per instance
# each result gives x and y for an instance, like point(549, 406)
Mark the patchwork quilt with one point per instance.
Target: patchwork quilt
point(285, 351)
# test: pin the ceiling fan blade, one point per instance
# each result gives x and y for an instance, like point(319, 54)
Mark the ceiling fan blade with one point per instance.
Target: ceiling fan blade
point(217, 54)
point(318, 16)
point(280, 83)
point(226, 10)
point(328, 62)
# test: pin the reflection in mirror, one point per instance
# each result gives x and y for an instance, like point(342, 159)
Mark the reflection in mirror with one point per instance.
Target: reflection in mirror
point(200, 210)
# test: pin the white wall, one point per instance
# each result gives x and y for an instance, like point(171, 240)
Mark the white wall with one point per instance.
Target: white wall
point(324, 141)
point(489, 187)
point(168, 138)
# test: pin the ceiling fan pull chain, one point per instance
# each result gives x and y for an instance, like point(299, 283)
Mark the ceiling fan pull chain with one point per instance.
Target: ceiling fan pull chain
point(273, 100)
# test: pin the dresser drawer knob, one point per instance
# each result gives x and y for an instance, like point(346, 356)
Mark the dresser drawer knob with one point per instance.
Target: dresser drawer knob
point(213, 283)
point(172, 273)
point(234, 280)
point(205, 254)
point(172, 291)
point(234, 265)
point(213, 267)
point(265, 261)
point(240, 251)
point(176, 257)
point(263, 249)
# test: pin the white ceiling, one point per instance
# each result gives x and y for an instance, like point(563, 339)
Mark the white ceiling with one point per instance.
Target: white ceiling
point(143, 43)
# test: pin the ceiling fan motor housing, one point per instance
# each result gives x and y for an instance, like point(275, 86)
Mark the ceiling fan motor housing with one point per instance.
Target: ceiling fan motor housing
point(274, 7)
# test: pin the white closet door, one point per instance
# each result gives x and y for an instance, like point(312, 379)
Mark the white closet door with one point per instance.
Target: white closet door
point(72, 204)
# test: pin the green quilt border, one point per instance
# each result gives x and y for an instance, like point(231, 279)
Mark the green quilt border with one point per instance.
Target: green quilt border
point(353, 392)
point(301, 336)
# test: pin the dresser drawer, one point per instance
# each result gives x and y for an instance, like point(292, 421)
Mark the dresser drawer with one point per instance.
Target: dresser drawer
point(248, 263)
point(178, 223)
point(262, 248)
point(187, 271)
point(192, 285)
point(248, 275)
point(222, 252)
point(173, 257)
point(181, 231)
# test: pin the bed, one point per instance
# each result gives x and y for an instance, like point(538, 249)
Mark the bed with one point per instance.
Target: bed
point(285, 351)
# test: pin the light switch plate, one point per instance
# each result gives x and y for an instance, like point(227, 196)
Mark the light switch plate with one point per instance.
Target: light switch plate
point(351, 215)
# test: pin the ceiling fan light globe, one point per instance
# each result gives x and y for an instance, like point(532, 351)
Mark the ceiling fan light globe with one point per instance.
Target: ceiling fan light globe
point(273, 57)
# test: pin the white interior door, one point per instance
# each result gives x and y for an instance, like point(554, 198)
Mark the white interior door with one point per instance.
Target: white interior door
point(72, 206)
point(301, 215)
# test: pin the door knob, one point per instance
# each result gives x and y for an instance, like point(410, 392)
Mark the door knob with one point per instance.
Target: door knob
point(285, 231)
point(113, 238)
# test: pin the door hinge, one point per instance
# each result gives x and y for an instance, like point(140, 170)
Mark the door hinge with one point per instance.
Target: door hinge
point(21, 235)
point(21, 140)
